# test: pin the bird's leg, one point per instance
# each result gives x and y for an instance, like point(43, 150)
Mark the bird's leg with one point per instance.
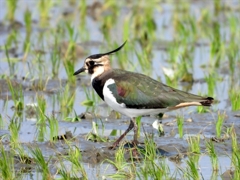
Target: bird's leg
point(135, 137)
point(131, 125)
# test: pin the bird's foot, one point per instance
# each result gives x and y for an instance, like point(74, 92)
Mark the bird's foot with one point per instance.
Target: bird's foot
point(115, 144)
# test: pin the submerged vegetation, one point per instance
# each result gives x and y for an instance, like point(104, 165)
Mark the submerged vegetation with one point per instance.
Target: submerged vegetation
point(53, 125)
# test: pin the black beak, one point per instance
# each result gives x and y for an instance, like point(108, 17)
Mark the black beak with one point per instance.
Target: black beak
point(80, 71)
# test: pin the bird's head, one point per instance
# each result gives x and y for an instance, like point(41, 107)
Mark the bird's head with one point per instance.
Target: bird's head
point(98, 63)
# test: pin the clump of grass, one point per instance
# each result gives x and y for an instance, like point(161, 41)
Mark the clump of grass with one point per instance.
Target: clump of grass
point(75, 157)
point(41, 163)
point(109, 21)
point(220, 120)
point(14, 128)
point(66, 100)
point(213, 154)
point(53, 126)
point(157, 169)
point(11, 62)
point(235, 153)
point(180, 121)
point(17, 96)
point(41, 118)
point(144, 25)
point(94, 135)
point(11, 8)
point(191, 171)
point(235, 98)
point(6, 164)
point(55, 57)
point(194, 154)
point(124, 168)
point(211, 82)
point(232, 55)
point(41, 108)
point(217, 46)
point(138, 122)
point(235, 147)
point(152, 167)
point(44, 9)
point(145, 62)
point(119, 162)
point(28, 25)
point(90, 98)
point(194, 144)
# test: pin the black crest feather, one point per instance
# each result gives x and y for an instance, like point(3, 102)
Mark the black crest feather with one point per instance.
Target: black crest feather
point(96, 56)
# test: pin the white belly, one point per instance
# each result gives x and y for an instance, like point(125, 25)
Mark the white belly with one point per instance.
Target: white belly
point(111, 101)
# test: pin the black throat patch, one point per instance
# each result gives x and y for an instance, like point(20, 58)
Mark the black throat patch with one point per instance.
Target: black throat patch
point(98, 83)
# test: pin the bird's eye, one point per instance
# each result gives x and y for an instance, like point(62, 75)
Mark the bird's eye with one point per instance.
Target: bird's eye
point(91, 63)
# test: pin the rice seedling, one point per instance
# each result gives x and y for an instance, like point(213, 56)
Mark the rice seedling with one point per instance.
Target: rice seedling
point(235, 147)
point(83, 31)
point(70, 56)
point(14, 128)
point(6, 164)
point(41, 163)
point(1, 122)
point(44, 9)
point(11, 62)
point(212, 154)
point(109, 21)
point(211, 80)
point(193, 155)
point(66, 100)
point(65, 173)
point(119, 162)
point(236, 164)
point(55, 57)
point(232, 55)
point(219, 123)
point(90, 97)
point(22, 156)
point(216, 46)
point(75, 157)
point(235, 153)
point(145, 62)
point(28, 25)
point(53, 127)
point(191, 171)
point(157, 169)
point(144, 25)
point(83, 10)
point(17, 96)
point(28, 21)
point(138, 122)
point(124, 169)
point(149, 151)
point(94, 135)
point(123, 58)
point(235, 98)
point(201, 109)
point(12, 38)
point(11, 8)
point(41, 108)
point(180, 121)
point(194, 144)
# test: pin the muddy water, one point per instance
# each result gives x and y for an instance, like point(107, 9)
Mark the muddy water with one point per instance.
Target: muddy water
point(94, 153)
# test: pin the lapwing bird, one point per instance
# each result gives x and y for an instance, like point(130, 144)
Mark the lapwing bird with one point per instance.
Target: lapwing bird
point(134, 94)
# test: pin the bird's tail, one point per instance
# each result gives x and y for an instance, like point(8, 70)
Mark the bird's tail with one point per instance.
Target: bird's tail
point(207, 101)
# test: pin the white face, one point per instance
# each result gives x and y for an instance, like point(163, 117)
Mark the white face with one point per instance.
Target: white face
point(96, 67)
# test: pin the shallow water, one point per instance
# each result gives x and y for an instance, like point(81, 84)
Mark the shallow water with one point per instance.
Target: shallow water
point(27, 73)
